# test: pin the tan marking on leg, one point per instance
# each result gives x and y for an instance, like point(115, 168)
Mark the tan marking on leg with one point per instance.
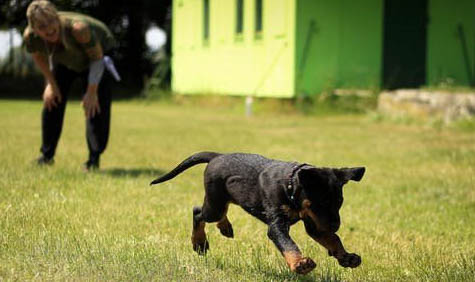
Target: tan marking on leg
point(292, 258)
point(199, 236)
point(297, 263)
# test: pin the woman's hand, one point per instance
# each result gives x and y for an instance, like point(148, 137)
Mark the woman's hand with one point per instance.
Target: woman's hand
point(90, 102)
point(51, 97)
point(51, 94)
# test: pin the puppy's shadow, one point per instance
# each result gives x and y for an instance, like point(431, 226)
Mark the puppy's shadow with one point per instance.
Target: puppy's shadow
point(132, 172)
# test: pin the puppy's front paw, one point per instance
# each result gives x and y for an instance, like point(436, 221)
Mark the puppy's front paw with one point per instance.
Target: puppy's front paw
point(350, 260)
point(304, 266)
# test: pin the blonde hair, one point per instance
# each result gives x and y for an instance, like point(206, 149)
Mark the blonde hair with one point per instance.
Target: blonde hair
point(41, 12)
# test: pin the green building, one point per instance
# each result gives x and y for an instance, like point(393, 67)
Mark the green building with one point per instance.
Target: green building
point(288, 48)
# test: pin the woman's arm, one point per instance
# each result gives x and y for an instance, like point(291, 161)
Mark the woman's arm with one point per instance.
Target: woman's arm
point(51, 94)
point(85, 36)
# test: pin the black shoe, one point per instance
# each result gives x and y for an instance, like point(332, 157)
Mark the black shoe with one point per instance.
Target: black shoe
point(91, 165)
point(43, 161)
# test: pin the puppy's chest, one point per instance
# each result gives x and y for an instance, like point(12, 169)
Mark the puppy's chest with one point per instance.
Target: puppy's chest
point(292, 214)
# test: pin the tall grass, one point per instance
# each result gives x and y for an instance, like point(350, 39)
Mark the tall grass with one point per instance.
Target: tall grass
point(412, 217)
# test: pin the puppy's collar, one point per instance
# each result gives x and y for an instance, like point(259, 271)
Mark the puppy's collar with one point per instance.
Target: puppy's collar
point(292, 191)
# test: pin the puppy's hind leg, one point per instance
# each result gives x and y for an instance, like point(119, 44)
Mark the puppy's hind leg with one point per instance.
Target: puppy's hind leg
point(213, 210)
point(198, 236)
point(237, 186)
point(224, 226)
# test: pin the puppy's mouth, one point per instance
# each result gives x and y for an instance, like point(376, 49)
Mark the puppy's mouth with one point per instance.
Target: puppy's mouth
point(324, 225)
point(333, 227)
point(310, 217)
point(329, 226)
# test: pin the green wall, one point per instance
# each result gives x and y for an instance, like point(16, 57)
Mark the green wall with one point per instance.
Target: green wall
point(446, 61)
point(230, 64)
point(343, 50)
point(307, 46)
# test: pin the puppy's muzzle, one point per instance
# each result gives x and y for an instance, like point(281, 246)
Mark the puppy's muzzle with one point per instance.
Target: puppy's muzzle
point(334, 226)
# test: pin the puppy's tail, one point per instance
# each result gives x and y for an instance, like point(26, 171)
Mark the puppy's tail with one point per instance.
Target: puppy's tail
point(198, 158)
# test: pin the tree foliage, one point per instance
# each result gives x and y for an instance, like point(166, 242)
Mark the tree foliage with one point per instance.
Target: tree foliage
point(128, 21)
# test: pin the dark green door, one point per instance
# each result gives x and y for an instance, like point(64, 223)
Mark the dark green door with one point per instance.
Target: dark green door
point(404, 46)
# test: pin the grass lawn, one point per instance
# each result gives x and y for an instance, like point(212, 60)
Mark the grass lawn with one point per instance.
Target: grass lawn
point(412, 217)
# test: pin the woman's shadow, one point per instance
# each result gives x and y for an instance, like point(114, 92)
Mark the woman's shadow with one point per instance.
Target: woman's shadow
point(132, 172)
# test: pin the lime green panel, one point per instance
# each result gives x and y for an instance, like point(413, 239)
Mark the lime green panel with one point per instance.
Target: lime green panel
point(229, 63)
point(451, 56)
point(338, 45)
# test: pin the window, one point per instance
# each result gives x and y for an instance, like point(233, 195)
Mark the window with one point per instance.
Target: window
point(205, 20)
point(258, 20)
point(239, 16)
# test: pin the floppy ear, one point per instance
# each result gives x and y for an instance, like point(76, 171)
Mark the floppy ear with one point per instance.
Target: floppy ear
point(310, 176)
point(347, 174)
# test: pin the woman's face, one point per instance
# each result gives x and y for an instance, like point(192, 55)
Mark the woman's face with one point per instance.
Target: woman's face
point(49, 30)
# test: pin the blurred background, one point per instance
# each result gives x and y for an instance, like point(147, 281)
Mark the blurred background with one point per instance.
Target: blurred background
point(190, 68)
point(267, 48)
point(141, 28)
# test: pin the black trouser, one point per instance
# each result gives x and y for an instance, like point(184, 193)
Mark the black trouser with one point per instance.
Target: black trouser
point(97, 128)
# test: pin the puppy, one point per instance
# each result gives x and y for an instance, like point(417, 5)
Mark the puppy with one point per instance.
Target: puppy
point(279, 194)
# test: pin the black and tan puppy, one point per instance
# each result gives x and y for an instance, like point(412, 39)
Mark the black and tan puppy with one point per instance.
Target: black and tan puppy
point(279, 194)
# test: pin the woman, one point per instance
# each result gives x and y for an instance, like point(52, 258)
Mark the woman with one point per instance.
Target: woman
point(64, 46)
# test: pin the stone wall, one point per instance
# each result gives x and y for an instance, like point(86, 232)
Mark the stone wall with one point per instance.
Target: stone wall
point(427, 104)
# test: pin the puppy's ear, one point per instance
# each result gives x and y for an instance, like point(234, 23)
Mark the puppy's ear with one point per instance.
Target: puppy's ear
point(347, 174)
point(309, 176)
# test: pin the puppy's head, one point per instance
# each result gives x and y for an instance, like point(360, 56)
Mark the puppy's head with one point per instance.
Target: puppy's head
point(323, 191)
